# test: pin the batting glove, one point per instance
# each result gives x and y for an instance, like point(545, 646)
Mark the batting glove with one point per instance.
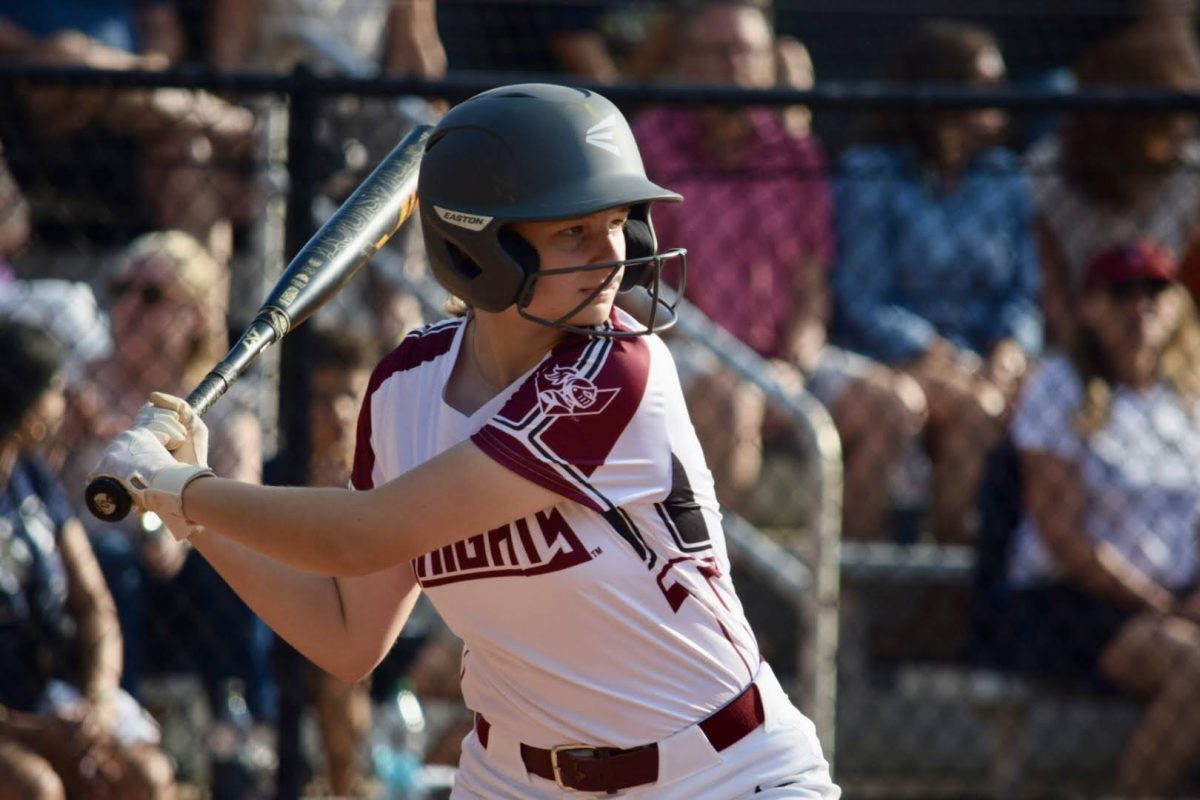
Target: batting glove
point(141, 463)
point(192, 447)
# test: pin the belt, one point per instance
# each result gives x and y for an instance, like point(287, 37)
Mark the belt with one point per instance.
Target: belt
point(611, 769)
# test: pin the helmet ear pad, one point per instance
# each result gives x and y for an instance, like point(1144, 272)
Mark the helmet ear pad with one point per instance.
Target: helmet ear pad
point(640, 242)
point(524, 255)
point(478, 267)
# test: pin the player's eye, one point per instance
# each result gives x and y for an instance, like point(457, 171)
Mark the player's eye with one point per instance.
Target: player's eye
point(572, 232)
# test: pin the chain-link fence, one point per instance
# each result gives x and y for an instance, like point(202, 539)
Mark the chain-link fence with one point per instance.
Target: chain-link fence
point(939, 345)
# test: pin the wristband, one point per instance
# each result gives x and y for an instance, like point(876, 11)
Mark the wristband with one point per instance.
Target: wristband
point(164, 496)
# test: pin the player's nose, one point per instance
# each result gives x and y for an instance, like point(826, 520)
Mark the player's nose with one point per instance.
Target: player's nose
point(609, 248)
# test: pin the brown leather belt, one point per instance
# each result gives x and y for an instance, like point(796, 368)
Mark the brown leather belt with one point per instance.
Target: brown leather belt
point(611, 769)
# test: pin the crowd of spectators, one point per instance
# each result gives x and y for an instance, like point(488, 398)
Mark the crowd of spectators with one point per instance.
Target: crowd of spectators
point(944, 285)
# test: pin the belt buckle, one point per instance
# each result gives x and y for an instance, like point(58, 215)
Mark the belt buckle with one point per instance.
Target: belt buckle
point(559, 748)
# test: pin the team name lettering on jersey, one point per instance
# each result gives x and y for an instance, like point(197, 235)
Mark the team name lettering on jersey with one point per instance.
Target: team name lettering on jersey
point(512, 549)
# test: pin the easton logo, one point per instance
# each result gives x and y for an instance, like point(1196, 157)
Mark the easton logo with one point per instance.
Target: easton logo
point(562, 391)
point(472, 222)
point(601, 135)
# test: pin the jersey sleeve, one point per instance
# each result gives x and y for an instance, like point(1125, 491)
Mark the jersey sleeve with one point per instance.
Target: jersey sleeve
point(582, 425)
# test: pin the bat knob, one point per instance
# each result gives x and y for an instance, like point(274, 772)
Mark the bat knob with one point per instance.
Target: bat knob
point(107, 499)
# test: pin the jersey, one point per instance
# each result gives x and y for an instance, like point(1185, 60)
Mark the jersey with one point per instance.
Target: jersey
point(610, 618)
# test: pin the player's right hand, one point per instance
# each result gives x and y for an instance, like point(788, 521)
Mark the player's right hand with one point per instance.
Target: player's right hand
point(164, 424)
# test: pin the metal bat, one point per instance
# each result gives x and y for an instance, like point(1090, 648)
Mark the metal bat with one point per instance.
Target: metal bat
point(370, 216)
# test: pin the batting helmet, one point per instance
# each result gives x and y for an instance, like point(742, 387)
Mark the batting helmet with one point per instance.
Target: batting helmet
point(533, 152)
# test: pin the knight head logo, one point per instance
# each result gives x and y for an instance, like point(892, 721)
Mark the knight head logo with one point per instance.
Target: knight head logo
point(562, 391)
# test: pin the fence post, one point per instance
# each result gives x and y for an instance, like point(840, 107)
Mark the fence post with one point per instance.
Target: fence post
point(303, 111)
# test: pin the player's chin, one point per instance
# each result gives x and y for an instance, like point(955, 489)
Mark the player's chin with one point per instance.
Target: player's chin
point(596, 312)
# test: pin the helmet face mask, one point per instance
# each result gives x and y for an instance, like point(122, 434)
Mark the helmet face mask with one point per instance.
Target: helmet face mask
point(648, 271)
point(528, 153)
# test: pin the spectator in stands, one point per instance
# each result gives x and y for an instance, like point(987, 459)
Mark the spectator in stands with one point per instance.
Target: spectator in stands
point(65, 727)
point(340, 365)
point(64, 309)
point(354, 37)
point(937, 272)
point(1105, 559)
point(179, 146)
point(394, 37)
point(14, 219)
point(1108, 177)
point(654, 53)
point(535, 37)
point(167, 299)
point(757, 222)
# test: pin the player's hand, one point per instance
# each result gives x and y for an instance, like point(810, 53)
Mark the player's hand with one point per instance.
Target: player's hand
point(134, 458)
point(192, 446)
point(139, 460)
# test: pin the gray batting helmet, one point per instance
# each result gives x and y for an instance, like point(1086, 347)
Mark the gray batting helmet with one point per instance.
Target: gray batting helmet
point(533, 152)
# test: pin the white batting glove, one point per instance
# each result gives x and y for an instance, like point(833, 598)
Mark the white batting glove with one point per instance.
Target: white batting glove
point(164, 424)
point(141, 463)
point(192, 447)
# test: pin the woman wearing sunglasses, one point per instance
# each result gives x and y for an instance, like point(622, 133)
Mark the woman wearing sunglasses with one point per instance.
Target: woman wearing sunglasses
point(167, 299)
point(1104, 561)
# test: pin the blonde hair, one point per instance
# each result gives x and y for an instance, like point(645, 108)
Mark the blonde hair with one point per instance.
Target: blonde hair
point(203, 280)
point(1178, 365)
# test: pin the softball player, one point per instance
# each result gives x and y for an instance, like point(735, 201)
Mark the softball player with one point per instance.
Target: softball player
point(530, 465)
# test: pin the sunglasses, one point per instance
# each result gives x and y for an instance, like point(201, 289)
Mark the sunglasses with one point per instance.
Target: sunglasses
point(149, 294)
point(1137, 288)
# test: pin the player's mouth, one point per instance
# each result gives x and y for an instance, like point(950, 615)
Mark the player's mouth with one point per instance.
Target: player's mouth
point(600, 289)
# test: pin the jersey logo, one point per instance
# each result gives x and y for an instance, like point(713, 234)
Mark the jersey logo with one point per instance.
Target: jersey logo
point(601, 135)
point(562, 391)
point(472, 222)
point(536, 545)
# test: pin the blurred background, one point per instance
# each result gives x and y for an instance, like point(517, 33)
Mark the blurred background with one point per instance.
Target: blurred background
point(939, 340)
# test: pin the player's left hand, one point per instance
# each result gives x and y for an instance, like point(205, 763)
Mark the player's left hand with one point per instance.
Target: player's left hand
point(192, 446)
point(139, 460)
point(133, 458)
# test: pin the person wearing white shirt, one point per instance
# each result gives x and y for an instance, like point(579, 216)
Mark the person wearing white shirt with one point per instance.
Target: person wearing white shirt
point(1104, 562)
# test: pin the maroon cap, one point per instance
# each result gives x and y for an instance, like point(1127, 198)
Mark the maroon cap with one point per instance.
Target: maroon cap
point(1142, 260)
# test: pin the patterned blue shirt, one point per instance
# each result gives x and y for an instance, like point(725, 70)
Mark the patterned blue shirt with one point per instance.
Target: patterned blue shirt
point(111, 21)
point(917, 260)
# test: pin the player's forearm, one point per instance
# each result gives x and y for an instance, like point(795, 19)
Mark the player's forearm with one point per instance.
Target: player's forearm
point(311, 529)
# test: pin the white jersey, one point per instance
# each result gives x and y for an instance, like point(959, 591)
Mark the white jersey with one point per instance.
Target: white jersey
point(609, 619)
